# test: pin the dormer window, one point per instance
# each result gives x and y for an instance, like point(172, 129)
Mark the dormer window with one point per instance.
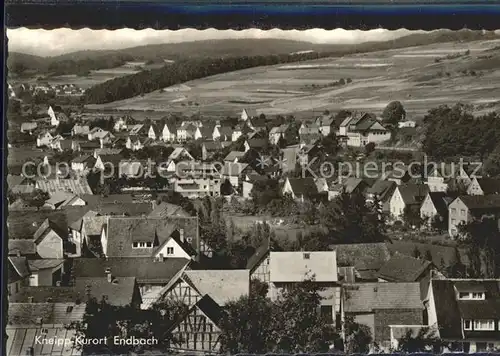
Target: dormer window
point(467, 324)
point(471, 296)
point(488, 325)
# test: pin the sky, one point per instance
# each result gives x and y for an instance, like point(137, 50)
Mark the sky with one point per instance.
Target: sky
point(64, 40)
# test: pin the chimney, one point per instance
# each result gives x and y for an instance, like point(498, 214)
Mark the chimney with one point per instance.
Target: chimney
point(181, 233)
point(18, 253)
point(30, 299)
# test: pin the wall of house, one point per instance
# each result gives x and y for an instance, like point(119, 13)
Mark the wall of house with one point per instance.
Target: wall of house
point(150, 293)
point(104, 242)
point(207, 333)
point(177, 250)
point(51, 246)
point(183, 292)
point(427, 210)
point(247, 189)
point(437, 184)
point(45, 277)
point(378, 137)
point(474, 188)
point(457, 213)
point(386, 317)
point(367, 319)
point(262, 272)
point(397, 205)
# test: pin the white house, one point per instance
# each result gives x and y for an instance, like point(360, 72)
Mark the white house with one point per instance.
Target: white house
point(405, 196)
point(363, 129)
point(54, 120)
point(168, 133)
point(406, 123)
point(45, 272)
point(120, 125)
point(44, 139)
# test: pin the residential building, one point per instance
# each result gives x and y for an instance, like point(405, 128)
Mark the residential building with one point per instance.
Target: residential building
point(248, 114)
point(248, 182)
point(168, 133)
point(234, 156)
point(484, 186)
point(200, 329)
point(467, 208)
point(406, 123)
point(465, 313)
point(80, 130)
point(300, 188)
point(287, 268)
point(361, 129)
point(49, 239)
point(258, 263)
point(46, 272)
point(83, 163)
point(44, 139)
point(18, 272)
point(382, 305)
point(28, 127)
point(435, 207)
point(407, 196)
point(438, 178)
point(350, 185)
point(120, 124)
point(153, 132)
point(77, 186)
point(152, 275)
point(60, 200)
point(326, 124)
point(236, 134)
point(136, 130)
point(382, 191)
point(54, 119)
point(235, 172)
point(278, 132)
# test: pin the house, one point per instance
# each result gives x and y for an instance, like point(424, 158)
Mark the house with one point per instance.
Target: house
point(435, 207)
point(199, 330)
point(277, 132)
point(287, 268)
point(361, 129)
point(153, 132)
point(234, 172)
point(402, 268)
point(145, 237)
point(350, 185)
point(439, 177)
point(208, 149)
point(18, 272)
point(223, 286)
point(467, 208)
point(255, 143)
point(28, 321)
point(109, 161)
point(326, 124)
point(236, 134)
point(399, 175)
point(407, 123)
point(60, 200)
point(22, 247)
point(382, 305)
point(223, 133)
point(247, 114)
point(484, 186)
point(234, 156)
point(60, 144)
point(300, 188)
point(76, 186)
point(180, 153)
point(117, 291)
point(168, 133)
point(465, 313)
point(365, 259)
point(54, 120)
point(164, 210)
point(20, 184)
point(248, 183)
point(308, 129)
point(152, 275)
point(28, 127)
point(120, 124)
point(136, 130)
point(134, 143)
point(258, 263)
point(50, 239)
point(44, 139)
point(83, 163)
point(80, 130)
point(409, 197)
point(382, 191)
point(46, 272)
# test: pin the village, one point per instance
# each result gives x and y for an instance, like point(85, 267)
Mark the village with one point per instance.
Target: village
point(151, 214)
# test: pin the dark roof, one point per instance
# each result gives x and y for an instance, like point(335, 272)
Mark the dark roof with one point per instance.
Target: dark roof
point(24, 247)
point(84, 158)
point(226, 131)
point(489, 185)
point(450, 311)
point(440, 202)
point(120, 292)
point(48, 313)
point(257, 142)
point(43, 294)
point(114, 159)
point(479, 202)
point(211, 309)
point(362, 256)
point(303, 186)
point(46, 226)
point(413, 193)
point(382, 188)
point(402, 268)
point(261, 252)
point(145, 269)
point(165, 209)
point(18, 269)
point(122, 232)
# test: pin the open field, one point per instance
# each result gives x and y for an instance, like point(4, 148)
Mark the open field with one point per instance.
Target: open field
point(421, 77)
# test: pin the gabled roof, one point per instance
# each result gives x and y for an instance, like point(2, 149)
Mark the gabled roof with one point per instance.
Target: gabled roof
point(349, 185)
point(18, 268)
point(165, 209)
point(23, 224)
point(46, 263)
point(123, 232)
point(145, 269)
point(75, 186)
point(84, 158)
point(93, 224)
point(223, 286)
point(382, 188)
point(297, 266)
point(135, 129)
point(28, 126)
point(257, 143)
point(226, 131)
point(367, 297)
point(233, 169)
point(303, 186)
point(402, 268)
point(211, 309)
point(47, 226)
point(413, 193)
point(24, 247)
point(440, 202)
point(30, 314)
point(262, 252)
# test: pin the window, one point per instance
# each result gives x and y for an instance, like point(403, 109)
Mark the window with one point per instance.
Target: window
point(453, 221)
point(135, 245)
point(453, 210)
point(326, 312)
point(170, 250)
point(69, 309)
point(307, 256)
point(484, 325)
point(464, 295)
point(478, 295)
point(462, 212)
point(467, 324)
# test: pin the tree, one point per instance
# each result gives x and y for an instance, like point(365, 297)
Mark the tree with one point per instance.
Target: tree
point(393, 113)
point(258, 288)
point(369, 148)
point(37, 198)
point(424, 341)
point(358, 337)
point(412, 217)
point(492, 163)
